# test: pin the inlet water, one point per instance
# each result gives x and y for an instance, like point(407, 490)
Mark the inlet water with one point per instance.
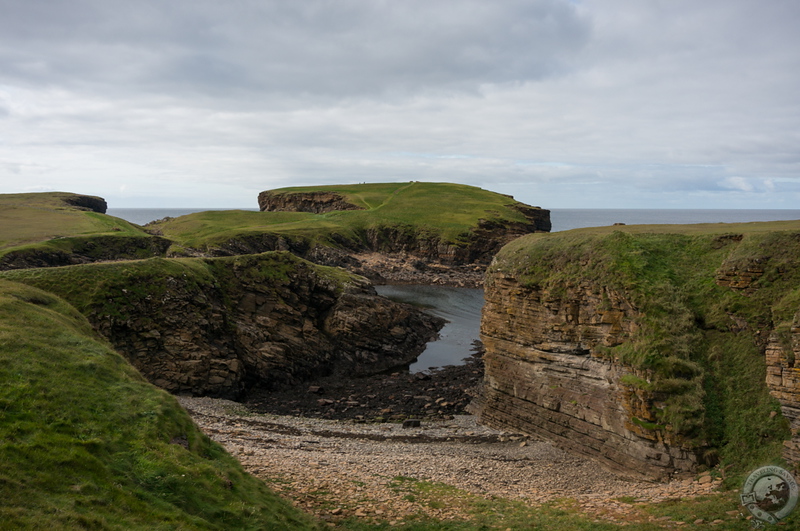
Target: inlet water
point(461, 307)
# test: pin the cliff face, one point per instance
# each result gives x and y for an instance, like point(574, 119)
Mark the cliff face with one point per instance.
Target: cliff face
point(315, 202)
point(652, 352)
point(544, 376)
point(216, 326)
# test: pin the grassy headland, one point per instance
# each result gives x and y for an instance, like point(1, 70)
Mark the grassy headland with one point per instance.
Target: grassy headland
point(49, 228)
point(447, 212)
point(701, 342)
point(85, 442)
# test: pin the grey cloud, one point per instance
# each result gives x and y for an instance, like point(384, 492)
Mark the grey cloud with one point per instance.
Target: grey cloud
point(342, 48)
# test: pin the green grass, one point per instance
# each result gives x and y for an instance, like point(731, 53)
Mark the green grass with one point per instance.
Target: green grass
point(480, 513)
point(449, 212)
point(707, 370)
point(104, 291)
point(85, 442)
point(46, 227)
point(31, 218)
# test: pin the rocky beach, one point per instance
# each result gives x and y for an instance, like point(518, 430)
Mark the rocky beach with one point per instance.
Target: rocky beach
point(337, 469)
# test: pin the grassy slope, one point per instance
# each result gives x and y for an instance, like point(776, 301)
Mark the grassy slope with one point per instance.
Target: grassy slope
point(45, 222)
point(713, 379)
point(94, 288)
point(85, 442)
point(418, 205)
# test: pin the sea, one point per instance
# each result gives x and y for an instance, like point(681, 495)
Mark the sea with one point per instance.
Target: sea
point(561, 218)
point(461, 307)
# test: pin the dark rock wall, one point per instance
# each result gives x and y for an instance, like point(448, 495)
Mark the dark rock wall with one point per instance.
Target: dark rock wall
point(249, 325)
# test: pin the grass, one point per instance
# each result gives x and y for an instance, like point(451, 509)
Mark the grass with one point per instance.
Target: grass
point(449, 212)
point(481, 513)
point(708, 371)
point(85, 442)
point(107, 291)
point(46, 227)
point(32, 218)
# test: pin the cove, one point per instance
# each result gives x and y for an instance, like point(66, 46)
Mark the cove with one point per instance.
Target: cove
point(461, 307)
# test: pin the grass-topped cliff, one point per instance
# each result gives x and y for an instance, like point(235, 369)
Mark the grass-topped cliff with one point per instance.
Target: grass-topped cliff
point(707, 300)
point(86, 443)
point(60, 228)
point(389, 217)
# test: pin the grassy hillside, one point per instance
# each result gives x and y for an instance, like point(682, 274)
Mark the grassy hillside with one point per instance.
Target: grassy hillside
point(36, 229)
point(31, 218)
point(85, 442)
point(447, 211)
point(702, 343)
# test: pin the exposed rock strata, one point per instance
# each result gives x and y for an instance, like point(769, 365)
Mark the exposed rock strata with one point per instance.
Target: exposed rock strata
point(315, 202)
point(273, 319)
point(783, 379)
point(545, 376)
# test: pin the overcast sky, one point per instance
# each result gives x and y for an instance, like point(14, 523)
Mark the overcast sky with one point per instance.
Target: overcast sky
point(563, 104)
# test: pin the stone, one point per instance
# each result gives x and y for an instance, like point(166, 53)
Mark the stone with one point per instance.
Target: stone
point(411, 423)
point(545, 376)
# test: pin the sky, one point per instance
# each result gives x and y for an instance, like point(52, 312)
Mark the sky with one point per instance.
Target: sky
point(562, 104)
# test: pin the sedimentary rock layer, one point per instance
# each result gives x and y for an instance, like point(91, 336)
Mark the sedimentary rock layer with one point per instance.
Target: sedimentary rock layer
point(544, 376)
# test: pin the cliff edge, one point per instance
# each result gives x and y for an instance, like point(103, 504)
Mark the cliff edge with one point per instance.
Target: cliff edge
point(655, 350)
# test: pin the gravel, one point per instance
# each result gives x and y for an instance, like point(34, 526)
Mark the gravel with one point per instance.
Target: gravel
point(340, 468)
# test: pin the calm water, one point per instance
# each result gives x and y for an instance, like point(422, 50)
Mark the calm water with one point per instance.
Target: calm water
point(142, 216)
point(462, 309)
point(575, 218)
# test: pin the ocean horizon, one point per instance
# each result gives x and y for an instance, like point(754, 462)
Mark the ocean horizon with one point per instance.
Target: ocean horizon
point(561, 218)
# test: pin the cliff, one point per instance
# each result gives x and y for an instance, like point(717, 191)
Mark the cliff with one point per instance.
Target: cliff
point(545, 375)
point(447, 228)
point(651, 349)
point(216, 326)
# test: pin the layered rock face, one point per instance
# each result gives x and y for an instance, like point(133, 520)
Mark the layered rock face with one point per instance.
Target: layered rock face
point(250, 325)
point(783, 379)
point(545, 376)
point(315, 202)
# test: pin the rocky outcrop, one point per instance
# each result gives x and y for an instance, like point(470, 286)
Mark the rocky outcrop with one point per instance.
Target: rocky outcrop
point(270, 319)
point(545, 375)
point(315, 202)
point(86, 202)
point(783, 378)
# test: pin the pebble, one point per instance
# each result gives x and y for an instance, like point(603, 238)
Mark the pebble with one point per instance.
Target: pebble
point(354, 467)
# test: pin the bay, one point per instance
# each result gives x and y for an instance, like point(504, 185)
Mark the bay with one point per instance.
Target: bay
point(461, 307)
